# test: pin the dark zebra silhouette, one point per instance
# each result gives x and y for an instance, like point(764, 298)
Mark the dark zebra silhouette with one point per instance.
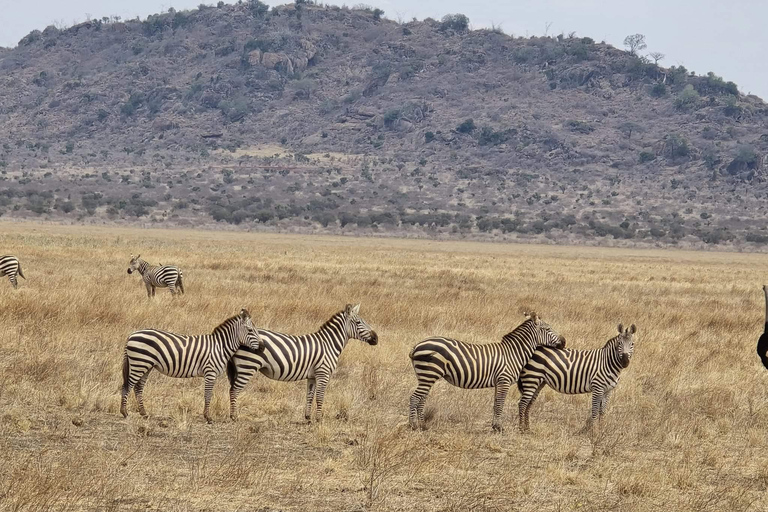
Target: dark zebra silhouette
point(311, 357)
point(10, 266)
point(178, 355)
point(471, 366)
point(762, 343)
point(157, 276)
point(576, 371)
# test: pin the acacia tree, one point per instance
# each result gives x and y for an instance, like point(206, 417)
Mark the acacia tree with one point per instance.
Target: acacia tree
point(657, 56)
point(635, 42)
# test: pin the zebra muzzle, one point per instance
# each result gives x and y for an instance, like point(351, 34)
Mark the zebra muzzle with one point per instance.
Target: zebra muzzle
point(374, 339)
point(130, 271)
point(624, 360)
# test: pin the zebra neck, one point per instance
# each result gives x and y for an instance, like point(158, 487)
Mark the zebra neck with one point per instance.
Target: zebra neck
point(335, 335)
point(143, 267)
point(520, 340)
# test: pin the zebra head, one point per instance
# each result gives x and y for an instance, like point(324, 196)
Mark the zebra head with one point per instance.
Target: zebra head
point(247, 334)
point(134, 263)
point(546, 336)
point(625, 344)
point(356, 327)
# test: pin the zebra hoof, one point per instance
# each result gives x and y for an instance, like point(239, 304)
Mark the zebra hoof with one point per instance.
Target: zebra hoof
point(498, 428)
point(233, 417)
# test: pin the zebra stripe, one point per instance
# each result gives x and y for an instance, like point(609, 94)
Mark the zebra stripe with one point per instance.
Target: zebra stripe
point(576, 371)
point(762, 343)
point(177, 355)
point(311, 357)
point(473, 366)
point(157, 276)
point(10, 266)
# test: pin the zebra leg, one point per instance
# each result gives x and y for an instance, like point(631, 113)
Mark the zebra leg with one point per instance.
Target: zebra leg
point(153, 291)
point(149, 290)
point(529, 394)
point(597, 399)
point(321, 383)
point(238, 378)
point(310, 397)
point(502, 388)
point(128, 384)
point(139, 392)
point(419, 400)
point(13, 280)
point(210, 380)
point(172, 288)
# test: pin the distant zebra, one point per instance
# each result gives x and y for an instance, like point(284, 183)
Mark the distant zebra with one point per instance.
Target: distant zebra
point(157, 276)
point(576, 371)
point(292, 358)
point(177, 355)
point(10, 266)
point(473, 366)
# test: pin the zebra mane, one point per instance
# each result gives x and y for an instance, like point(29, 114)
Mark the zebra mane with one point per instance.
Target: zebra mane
point(510, 335)
point(331, 320)
point(611, 343)
point(225, 324)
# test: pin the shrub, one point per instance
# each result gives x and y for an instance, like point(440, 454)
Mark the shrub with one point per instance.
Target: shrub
point(490, 137)
point(647, 156)
point(377, 14)
point(455, 22)
point(429, 137)
point(676, 146)
point(468, 126)
point(746, 159)
point(716, 85)
point(659, 90)
point(687, 99)
point(579, 126)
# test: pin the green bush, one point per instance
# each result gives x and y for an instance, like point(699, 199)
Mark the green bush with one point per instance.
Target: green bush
point(647, 156)
point(676, 146)
point(429, 137)
point(579, 126)
point(455, 22)
point(687, 99)
point(659, 90)
point(468, 126)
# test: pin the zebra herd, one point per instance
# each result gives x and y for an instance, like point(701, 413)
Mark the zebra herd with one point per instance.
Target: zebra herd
point(532, 355)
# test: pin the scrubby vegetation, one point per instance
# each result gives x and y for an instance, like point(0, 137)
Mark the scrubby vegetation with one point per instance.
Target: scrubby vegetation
point(311, 117)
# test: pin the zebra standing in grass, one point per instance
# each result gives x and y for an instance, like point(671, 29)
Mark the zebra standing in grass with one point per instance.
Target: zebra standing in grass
point(177, 355)
point(473, 366)
point(10, 266)
point(311, 357)
point(576, 371)
point(157, 276)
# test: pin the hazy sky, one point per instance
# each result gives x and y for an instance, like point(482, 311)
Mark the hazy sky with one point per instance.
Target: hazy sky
point(727, 37)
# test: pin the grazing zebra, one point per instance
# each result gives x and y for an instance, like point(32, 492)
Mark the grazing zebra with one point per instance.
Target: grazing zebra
point(157, 276)
point(177, 355)
point(576, 371)
point(762, 343)
point(473, 366)
point(10, 266)
point(292, 358)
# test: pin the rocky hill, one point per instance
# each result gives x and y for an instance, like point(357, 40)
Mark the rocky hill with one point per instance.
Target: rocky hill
point(319, 118)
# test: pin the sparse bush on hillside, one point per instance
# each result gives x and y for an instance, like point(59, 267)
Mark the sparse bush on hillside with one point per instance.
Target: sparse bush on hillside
point(688, 98)
point(579, 126)
point(746, 159)
point(646, 156)
point(716, 85)
point(456, 22)
point(635, 42)
point(676, 146)
point(659, 90)
point(467, 126)
point(490, 137)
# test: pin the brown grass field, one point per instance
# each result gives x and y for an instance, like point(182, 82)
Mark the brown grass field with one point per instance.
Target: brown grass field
point(687, 428)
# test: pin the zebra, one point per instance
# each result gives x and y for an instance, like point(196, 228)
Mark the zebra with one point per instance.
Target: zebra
point(762, 343)
point(473, 366)
point(576, 371)
point(10, 266)
point(178, 355)
point(157, 276)
point(311, 357)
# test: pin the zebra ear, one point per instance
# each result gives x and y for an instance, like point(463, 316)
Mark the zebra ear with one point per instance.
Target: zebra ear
point(139, 256)
point(244, 314)
point(621, 328)
point(632, 329)
point(533, 316)
point(356, 309)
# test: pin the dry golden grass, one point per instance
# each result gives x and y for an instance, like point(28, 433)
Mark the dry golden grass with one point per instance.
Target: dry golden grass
point(687, 428)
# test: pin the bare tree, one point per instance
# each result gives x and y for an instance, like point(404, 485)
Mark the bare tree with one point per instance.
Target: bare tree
point(657, 56)
point(635, 42)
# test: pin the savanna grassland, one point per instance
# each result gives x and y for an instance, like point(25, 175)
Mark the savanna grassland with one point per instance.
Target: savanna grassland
point(687, 428)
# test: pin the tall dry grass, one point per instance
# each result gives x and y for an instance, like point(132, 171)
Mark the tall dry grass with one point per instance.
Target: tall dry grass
point(687, 427)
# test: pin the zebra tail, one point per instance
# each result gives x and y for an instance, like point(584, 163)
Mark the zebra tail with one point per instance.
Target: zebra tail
point(231, 372)
point(520, 385)
point(20, 272)
point(126, 371)
point(180, 283)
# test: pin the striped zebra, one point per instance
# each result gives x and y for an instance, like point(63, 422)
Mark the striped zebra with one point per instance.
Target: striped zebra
point(177, 355)
point(311, 357)
point(157, 276)
point(10, 266)
point(576, 371)
point(473, 366)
